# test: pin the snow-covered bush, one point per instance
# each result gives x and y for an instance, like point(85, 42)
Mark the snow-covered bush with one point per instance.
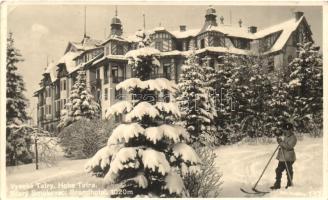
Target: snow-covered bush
point(146, 154)
point(195, 97)
point(81, 103)
point(84, 138)
point(208, 180)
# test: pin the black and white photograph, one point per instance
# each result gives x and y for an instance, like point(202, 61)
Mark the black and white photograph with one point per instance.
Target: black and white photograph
point(162, 100)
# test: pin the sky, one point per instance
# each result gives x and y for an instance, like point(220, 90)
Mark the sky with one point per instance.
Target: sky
point(43, 31)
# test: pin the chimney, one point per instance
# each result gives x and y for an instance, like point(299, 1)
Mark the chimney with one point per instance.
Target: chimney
point(183, 28)
point(298, 15)
point(252, 29)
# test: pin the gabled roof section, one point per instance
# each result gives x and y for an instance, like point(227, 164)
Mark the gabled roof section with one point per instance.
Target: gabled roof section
point(286, 28)
point(51, 69)
point(116, 38)
point(85, 44)
point(185, 34)
point(68, 60)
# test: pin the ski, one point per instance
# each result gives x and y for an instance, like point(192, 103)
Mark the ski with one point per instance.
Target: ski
point(255, 192)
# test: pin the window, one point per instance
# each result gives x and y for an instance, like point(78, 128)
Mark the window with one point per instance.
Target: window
point(63, 85)
point(159, 45)
point(218, 41)
point(270, 64)
point(202, 43)
point(106, 51)
point(115, 74)
point(167, 71)
point(118, 94)
point(119, 50)
point(106, 93)
point(241, 43)
point(106, 74)
point(50, 109)
point(97, 73)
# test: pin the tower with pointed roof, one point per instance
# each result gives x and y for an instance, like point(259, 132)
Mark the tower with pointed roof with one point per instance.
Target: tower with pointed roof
point(116, 25)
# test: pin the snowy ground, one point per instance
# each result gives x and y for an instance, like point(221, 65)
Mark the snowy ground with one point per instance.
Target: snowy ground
point(242, 164)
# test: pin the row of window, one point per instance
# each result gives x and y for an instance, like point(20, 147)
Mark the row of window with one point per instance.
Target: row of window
point(88, 56)
point(59, 105)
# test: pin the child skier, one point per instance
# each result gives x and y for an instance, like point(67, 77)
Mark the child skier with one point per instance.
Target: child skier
point(286, 156)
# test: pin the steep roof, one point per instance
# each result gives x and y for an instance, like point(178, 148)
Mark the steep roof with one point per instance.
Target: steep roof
point(51, 69)
point(68, 60)
point(286, 28)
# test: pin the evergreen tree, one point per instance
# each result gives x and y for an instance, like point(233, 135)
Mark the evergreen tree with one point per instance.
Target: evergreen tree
point(258, 93)
point(232, 87)
point(147, 153)
point(81, 103)
point(305, 85)
point(196, 100)
point(18, 140)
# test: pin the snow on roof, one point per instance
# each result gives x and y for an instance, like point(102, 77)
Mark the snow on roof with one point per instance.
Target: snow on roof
point(224, 50)
point(68, 60)
point(145, 51)
point(51, 69)
point(287, 28)
point(233, 31)
point(185, 34)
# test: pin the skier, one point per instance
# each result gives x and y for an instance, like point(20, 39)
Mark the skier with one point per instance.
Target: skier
point(286, 156)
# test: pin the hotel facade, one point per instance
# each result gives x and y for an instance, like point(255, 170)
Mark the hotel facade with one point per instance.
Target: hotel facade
point(106, 65)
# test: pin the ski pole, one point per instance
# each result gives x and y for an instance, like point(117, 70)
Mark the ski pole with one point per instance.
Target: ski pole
point(265, 167)
point(287, 170)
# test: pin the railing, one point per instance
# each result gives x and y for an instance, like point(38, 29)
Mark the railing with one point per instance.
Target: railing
point(117, 79)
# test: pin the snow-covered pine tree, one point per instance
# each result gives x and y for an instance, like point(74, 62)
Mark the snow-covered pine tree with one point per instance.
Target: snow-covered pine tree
point(306, 85)
point(146, 154)
point(279, 107)
point(18, 141)
point(196, 100)
point(258, 93)
point(233, 90)
point(81, 103)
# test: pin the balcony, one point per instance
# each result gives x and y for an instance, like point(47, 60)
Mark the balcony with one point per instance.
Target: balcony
point(117, 79)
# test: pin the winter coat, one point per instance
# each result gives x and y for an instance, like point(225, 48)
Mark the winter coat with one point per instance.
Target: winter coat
point(287, 147)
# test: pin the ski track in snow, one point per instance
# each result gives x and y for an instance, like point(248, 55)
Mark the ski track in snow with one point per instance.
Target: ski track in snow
point(242, 165)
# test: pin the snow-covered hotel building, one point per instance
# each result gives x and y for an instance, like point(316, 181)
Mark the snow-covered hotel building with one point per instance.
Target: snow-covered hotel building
point(106, 65)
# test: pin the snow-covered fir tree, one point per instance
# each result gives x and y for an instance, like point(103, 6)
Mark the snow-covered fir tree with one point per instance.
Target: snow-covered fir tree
point(258, 93)
point(81, 103)
point(233, 90)
point(305, 85)
point(279, 105)
point(196, 100)
point(146, 154)
point(18, 140)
